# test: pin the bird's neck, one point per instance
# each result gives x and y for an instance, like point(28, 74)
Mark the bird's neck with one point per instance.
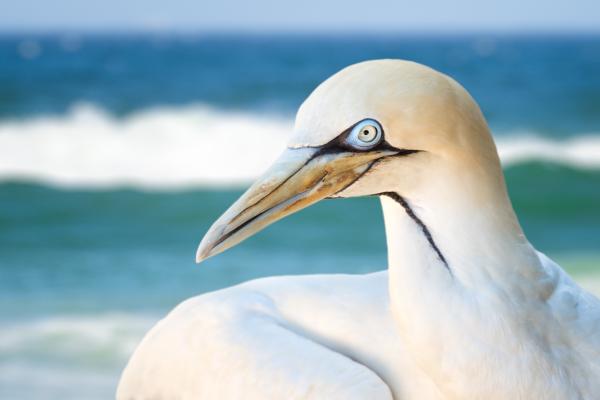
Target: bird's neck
point(449, 247)
point(460, 227)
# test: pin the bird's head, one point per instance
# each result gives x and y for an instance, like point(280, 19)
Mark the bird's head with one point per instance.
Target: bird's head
point(374, 127)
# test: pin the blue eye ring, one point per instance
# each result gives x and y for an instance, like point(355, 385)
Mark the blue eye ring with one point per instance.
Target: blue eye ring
point(365, 135)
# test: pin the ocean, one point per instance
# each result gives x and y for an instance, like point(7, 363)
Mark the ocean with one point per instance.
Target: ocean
point(117, 152)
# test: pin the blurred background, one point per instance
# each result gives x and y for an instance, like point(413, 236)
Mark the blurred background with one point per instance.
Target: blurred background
point(126, 128)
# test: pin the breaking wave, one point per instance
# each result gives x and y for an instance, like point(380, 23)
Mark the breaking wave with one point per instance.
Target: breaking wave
point(192, 146)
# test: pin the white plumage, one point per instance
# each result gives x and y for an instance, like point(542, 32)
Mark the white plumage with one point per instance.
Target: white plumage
point(467, 309)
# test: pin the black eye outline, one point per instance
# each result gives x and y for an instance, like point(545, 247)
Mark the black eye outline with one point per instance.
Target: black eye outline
point(340, 143)
point(352, 135)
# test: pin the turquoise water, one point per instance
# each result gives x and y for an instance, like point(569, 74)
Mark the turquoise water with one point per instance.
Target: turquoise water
point(110, 173)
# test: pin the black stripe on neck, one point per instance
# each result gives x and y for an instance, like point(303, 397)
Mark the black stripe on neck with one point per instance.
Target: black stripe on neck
point(400, 200)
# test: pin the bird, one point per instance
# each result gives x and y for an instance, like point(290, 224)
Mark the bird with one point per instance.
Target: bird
point(466, 309)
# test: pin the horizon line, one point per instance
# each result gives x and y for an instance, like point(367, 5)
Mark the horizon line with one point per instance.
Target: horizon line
point(297, 32)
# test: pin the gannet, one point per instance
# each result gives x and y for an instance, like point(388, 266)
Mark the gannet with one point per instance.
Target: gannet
point(467, 308)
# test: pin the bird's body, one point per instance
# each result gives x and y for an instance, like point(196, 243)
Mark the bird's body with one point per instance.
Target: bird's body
point(276, 338)
point(467, 309)
point(334, 337)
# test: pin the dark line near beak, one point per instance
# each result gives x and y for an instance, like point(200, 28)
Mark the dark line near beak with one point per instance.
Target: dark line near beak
point(400, 153)
point(355, 179)
point(238, 228)
point(246, 223)
point(333, 148)
point(241, 226)
point(400, 200)
point(312, 157)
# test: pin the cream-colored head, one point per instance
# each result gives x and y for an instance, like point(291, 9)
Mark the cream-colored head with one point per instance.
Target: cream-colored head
point(374, 127)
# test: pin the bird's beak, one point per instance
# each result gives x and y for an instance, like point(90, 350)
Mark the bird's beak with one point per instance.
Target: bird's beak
point(299, 178)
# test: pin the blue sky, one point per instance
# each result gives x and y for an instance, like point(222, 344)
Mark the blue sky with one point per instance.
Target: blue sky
point(301, 15)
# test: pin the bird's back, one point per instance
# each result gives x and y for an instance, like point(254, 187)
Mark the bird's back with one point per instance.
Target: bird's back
point(303, 337)
point(578, 314)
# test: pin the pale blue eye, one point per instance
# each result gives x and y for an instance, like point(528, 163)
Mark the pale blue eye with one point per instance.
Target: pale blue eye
point(365, 135)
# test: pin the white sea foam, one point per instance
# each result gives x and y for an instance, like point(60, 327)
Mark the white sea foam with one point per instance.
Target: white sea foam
point(67, 357)
point(74, 338)
point(191, 146)
point(40, 380)
point(582, 151)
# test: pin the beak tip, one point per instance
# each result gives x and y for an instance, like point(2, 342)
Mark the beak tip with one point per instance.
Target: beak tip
point(203, 253)
point(209, 245)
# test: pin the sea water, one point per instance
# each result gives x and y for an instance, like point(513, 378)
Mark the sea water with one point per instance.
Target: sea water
point(117, 152)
